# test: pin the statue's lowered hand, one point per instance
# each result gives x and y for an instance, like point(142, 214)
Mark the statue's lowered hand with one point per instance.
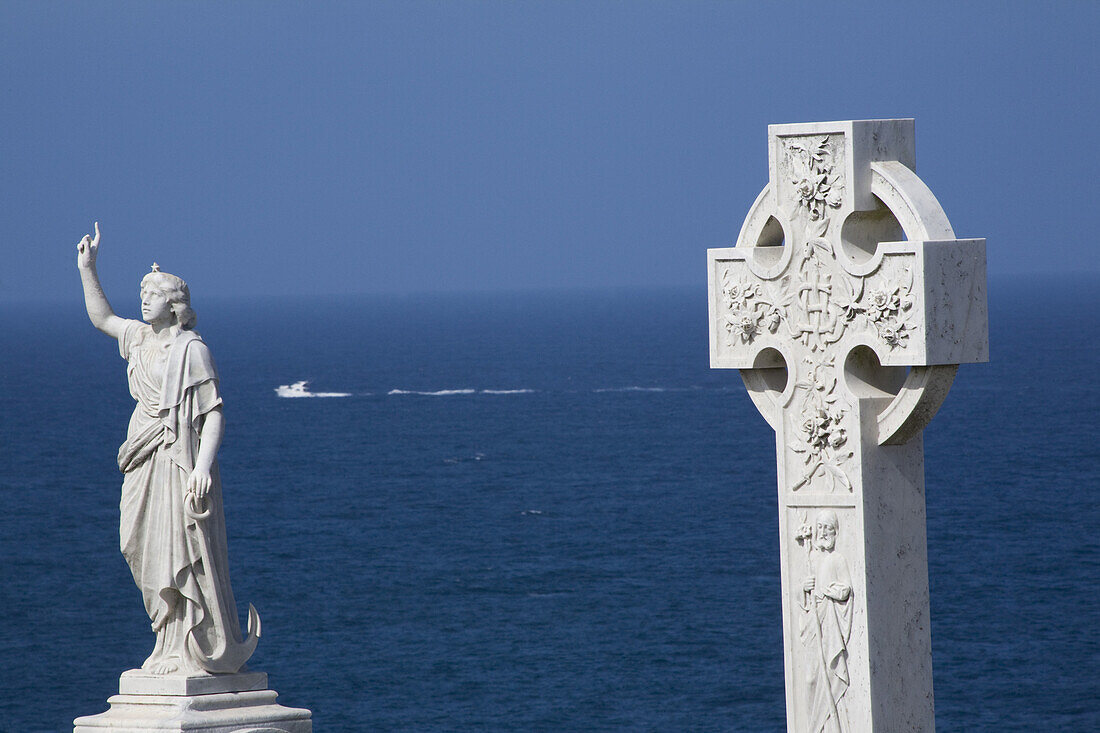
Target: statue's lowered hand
point(199, 483)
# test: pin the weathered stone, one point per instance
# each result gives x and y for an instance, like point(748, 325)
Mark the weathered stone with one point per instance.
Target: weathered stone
point(159, 706)
point(847, 304)
point(172, 528)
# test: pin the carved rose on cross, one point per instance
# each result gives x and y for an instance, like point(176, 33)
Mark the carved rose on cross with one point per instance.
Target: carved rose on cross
point(737, 294)
point(745, 324)
point(823, 431)
point(881, 303)
point(884, 307)
point(812, 172)
point(825, 437)
point(824, 450)
point(806, 191)
point(750, 311)
point(893, 333)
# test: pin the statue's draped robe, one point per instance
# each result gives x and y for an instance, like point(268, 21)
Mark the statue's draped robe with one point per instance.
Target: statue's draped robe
point(825, 628)
point(175, 389)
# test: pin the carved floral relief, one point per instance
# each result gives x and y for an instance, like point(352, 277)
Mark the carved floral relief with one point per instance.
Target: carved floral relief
point(748, 310)
point(810, 166)
point(819, 429)
point(816, 302)
point(882, 303)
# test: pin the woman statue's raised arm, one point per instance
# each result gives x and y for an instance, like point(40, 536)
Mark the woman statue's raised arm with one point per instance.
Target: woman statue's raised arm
point(99, 310)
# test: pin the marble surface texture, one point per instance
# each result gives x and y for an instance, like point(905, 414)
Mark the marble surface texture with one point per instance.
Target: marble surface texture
point(172, 528)
point(848, 304)
point(224, 703)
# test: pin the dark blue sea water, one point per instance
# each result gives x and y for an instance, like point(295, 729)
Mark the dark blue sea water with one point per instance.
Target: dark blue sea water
point(596, 552)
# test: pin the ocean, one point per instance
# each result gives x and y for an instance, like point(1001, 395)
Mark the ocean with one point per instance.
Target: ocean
point(540, 512)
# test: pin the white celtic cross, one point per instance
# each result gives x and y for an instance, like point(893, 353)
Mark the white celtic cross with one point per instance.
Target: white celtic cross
point(848, 305)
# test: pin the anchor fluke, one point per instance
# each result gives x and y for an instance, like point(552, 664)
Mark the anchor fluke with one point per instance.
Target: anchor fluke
point(229, 655)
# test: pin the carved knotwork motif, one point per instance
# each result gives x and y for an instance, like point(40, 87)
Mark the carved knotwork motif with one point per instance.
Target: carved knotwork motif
point(824, 301)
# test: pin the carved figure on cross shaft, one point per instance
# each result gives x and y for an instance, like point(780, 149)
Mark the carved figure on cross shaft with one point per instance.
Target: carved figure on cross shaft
point(826, 624)
point(172, 529)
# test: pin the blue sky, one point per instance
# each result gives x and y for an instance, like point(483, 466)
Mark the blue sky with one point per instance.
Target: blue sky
point(292, 148)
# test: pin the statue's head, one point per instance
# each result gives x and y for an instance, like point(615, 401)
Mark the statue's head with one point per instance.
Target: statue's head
point(825, 527)
point(175, 291)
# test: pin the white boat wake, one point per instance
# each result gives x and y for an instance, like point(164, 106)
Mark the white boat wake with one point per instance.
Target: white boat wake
point(439, 393)
point(447, 392)
point(301, 389)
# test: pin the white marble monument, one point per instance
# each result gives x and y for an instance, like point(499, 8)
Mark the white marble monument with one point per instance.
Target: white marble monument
point(172, 528)
point(848, 304)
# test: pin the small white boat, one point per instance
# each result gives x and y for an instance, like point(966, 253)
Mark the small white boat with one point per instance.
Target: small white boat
point(301, 389)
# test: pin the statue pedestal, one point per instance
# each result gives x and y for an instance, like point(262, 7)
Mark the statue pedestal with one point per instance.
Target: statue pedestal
point(223, 703)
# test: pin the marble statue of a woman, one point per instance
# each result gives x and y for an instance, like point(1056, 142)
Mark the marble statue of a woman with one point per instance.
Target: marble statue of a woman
point(172, 529)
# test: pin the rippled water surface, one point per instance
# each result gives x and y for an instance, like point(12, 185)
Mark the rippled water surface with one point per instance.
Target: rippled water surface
point(540, 512)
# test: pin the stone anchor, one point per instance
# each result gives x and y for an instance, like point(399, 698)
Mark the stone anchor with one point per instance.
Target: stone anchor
point(848, 304)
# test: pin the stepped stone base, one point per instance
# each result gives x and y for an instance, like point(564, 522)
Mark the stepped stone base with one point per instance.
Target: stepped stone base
point(223, 703)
